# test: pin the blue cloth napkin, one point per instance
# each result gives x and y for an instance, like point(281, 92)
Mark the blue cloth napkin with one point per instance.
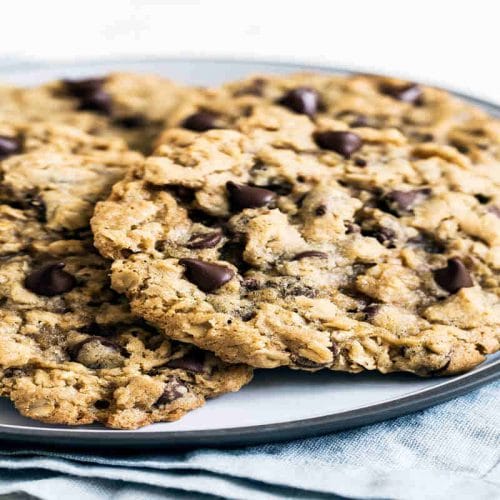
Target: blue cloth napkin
point(449, 451)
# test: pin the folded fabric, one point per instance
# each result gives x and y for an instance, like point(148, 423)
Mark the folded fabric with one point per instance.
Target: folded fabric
point(451, 450)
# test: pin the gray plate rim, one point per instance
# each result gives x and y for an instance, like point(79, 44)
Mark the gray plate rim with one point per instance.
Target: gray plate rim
point(102, 439)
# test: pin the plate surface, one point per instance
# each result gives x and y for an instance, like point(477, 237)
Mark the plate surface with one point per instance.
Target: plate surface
point(279, 404)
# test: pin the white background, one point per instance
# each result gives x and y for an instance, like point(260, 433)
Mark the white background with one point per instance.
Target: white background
point(454, 43)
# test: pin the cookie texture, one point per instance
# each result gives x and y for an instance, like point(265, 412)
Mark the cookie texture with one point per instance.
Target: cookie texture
point(134, 107)
point(424, 114)
point(303, 241)
point(71, 352)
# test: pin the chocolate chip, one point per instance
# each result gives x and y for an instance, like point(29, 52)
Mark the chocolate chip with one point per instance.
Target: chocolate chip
point(200, 121)
point(352, 228)
point(320, 210)
point(410, 92)
point(99, 101)
point(205, 275)
point(131, 122)
point(454, 276)
point(9, 146)
point(383, 235)
point(173, 389)
point(302, 100)
point(370, 311)
point(342, 142)
point(310, 253)
point(204, 240)
point(462, 148)
point(102, 404)
point(359, 162)
point(399, 202)
point(182, 193)
point(193, 361)
point(242, 196)
point(360, 121)
point(481, 198)
point(49, 280)
point(80, 88)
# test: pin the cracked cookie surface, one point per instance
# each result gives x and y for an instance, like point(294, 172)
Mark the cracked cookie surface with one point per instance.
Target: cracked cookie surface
point(71, 352)
point(311, 244)
point(424, 114)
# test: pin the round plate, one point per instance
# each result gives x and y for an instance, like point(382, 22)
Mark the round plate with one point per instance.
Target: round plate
point(278, 404)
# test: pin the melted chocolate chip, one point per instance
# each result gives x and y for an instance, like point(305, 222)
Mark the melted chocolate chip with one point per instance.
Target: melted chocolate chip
point(204, 240)
point(193, 361)
point(320, 210)
point(205, 275)
point(182, 193)
point(359, 162)
point(481, 198)
point(302, 100)
point(81, 88)
point(9, 146)
point(370, 311)
point(242, 196)
point(399, 202)
point(174, 389)
point(454, 276)
point(131, 122)
point(49, 280)
point(200, 121)
point(383, 235)
point(99, 101)
point(102, 404)
point(342, 142)
point(352, 228)
point(310, 253)
point(411, 92)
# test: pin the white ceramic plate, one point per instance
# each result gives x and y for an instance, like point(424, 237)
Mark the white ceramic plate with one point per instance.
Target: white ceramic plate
point(279, 404)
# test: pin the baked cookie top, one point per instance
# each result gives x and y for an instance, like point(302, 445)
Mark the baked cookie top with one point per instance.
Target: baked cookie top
point(71, 352)
point(134, 107)
point(311, 244)
point(424, 114)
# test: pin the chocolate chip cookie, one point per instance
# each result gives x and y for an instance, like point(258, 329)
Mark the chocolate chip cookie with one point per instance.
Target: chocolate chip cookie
point(132, 106)
point(71, 352)
point(304, 241)
point(424, 114)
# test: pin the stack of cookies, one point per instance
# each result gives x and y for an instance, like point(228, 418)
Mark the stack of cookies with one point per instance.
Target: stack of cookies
point(158, 242)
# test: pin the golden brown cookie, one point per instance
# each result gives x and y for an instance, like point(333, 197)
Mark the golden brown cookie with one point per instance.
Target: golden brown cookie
point(71, 352)
point(308, 243)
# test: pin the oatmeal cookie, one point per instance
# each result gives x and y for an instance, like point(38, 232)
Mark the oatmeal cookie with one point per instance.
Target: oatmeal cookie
point(71, 352)
point(307, 243)
point(132, 106)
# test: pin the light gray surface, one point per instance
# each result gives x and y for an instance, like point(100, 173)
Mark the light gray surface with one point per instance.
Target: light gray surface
point(279, 401)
